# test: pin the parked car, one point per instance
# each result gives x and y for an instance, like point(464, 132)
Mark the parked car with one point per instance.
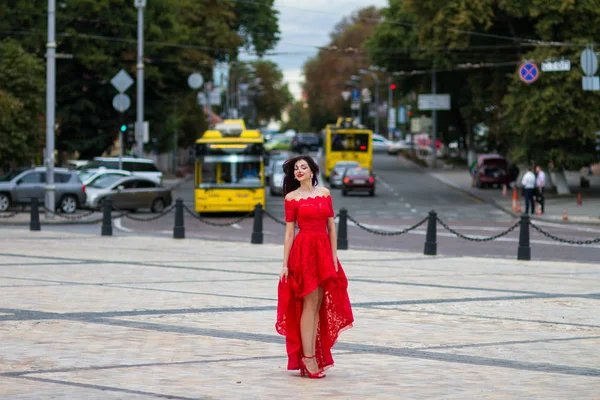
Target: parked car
point(279, 142)
point(380, 144)
point(276, 182)
point(128, 193)
point(395, 148)
point(306, 142)
point(337, 173)
point(272, 158)
point(491, 169)
point(88, 176)
point(358, 180)
point(20, 186)
point(142, 167)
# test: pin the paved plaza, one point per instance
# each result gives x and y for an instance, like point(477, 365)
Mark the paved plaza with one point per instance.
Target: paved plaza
point(91, 317)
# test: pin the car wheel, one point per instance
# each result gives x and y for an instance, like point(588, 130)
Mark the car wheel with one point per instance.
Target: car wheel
point(372, 193)
point(4, 201)
point(68, 204)
point(344, 192)
point(272, 192)
point(158, 205)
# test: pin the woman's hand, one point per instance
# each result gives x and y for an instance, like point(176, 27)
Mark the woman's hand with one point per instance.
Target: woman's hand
point(283, 275)
point(335, 263)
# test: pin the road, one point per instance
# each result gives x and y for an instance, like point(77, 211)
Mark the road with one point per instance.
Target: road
point(404, 197)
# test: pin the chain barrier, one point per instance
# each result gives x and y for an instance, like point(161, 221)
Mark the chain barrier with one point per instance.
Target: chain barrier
point(220, 225)
point(551, 236)
point(268, 214)
point(128, 215)
point(472, 239)
point(385, 233)
point(75, 217)
point(12, 214)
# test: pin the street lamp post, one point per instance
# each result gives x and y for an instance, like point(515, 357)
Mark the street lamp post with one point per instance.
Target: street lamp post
point(390, 106)
point(376, 79)
point(140, 5)
point(50, 100)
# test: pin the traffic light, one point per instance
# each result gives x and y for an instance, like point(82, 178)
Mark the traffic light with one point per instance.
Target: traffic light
point(393, 86)
point(123, 128)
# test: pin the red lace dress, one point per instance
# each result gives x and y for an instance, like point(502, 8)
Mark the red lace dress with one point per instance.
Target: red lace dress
point(311, 265)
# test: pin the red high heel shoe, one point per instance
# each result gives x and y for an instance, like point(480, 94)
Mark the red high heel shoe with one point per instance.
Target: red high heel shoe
point(305, 372)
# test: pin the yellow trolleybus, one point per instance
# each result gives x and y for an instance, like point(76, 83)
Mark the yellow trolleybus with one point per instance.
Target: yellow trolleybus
point(229, 169)
point(344, 141)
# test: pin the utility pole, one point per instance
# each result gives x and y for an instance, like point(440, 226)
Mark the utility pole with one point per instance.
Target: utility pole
point(434, 121)
point(50, 101)
point(390, 106)
point(140, 4)
point(376, 79)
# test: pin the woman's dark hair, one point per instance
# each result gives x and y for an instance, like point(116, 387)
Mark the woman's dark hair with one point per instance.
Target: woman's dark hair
point(289, 181)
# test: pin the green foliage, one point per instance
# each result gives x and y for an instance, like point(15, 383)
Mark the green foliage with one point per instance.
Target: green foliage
point(299, 118)
point(181, 37)
point(275, 95)
point(21, 104)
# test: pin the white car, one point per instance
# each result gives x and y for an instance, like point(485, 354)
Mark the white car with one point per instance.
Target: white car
point(380, 144)
point(143, 167)
point(396, 147)
point(88, 176)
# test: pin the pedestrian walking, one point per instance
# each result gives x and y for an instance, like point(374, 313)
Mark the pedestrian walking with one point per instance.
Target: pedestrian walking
point(313, 305)
point(528, 182)
point(540, 182)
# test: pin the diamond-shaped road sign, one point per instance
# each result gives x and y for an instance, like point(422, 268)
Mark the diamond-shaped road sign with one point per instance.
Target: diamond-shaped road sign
point(122, 81)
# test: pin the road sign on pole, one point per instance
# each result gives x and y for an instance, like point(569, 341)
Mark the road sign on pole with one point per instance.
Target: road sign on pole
point(428, 102)
point(195, 80)
point(589, 65)
point(529, 72)
point(122, 81)
point(355, 94)
point(121, 102)
point(346, 95)
point(597, 141)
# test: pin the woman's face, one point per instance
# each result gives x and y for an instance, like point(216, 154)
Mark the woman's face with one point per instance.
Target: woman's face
point(302, 171)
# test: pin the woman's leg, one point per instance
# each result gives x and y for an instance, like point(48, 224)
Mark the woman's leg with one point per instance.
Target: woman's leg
point(307, 327)
point(317, 313)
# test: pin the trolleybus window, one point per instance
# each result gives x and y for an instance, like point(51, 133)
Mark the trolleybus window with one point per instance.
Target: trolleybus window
point(350, 142)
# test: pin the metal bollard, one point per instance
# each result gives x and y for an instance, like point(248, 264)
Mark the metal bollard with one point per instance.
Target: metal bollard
point(257, 229)
point(106, 217)
point(430, 240)
point(34, 221)
point(179, 229)
point(524, 252)
point(342, 239)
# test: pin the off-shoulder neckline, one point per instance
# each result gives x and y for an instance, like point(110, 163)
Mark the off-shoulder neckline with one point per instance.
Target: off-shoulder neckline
point(308, 198)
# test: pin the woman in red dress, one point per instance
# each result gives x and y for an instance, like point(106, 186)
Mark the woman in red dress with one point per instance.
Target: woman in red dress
point(313, 305)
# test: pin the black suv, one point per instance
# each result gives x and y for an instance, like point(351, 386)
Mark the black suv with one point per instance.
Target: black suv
point(305, 142)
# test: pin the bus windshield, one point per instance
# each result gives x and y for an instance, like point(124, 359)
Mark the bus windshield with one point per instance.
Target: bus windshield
point(231, 171)
point(350, 142)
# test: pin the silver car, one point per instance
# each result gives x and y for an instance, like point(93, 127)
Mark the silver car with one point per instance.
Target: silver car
point(88, 176)
point(128, 193)
point(276, 182)
point(20, 186)
point(337, 173)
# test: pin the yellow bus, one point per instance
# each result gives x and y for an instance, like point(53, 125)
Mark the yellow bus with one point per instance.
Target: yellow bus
point(345, 141)
point(229, 169)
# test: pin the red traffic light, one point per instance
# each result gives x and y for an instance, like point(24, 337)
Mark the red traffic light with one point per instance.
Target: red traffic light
point(393, 86)
point(410, 114)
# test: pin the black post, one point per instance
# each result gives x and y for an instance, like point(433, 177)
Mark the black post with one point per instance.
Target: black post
point(106, 217)
point(524, 252)
point(179, 229)
point(430, 239)
point(257, 229)
point(342, 239)
point(34, 222)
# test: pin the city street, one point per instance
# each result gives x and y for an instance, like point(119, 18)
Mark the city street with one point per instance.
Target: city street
point(404, 197)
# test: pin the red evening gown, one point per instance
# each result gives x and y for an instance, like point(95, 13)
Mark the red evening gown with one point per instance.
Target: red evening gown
point(311, 265)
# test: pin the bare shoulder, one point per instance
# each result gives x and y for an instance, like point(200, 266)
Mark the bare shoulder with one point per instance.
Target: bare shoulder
point(323, 191)
point(293, 195)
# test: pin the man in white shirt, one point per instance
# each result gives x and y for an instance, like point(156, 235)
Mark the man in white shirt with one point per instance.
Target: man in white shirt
point(540, 182)
point(528, 183)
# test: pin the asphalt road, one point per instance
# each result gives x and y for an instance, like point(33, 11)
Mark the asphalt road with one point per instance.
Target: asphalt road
point(404, 196)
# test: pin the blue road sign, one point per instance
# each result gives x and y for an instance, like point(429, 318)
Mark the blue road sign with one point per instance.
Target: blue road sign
point(529, 72)
point(401, 115)
point(355, 94)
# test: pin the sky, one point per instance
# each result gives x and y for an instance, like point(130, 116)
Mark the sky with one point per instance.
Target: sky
point(305, 24)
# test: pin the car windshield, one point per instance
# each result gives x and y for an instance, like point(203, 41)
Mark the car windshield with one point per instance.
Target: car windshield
point(105, 181)
point(345, 165)
point(85, 175)
point(357, 172)
point(278, 167)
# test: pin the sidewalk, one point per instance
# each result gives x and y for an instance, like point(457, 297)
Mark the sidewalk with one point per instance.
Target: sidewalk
point(555, 207)
point(91, 317)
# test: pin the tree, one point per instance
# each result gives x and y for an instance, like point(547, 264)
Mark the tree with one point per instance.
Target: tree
point(298, 118)
point(274, 95)
point(21, 104)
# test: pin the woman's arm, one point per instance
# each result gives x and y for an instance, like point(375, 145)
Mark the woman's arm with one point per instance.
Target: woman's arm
point(287, 241)
point(333, 240)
